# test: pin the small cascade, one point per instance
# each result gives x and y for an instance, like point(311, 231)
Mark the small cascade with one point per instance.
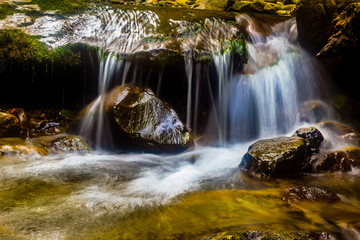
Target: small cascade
point(94, 123)
point(223, 65)
point(264, 100)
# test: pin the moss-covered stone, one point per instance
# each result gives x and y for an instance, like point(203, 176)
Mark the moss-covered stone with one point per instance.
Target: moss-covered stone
point(67, 144)
point(277, 157)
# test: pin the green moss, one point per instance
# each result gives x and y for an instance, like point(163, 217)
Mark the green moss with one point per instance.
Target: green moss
point(16, 46)
point(237, 46)
point(6, 9)
point(63, 6)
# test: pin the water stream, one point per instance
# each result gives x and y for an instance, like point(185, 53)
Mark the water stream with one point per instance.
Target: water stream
point(180, 196)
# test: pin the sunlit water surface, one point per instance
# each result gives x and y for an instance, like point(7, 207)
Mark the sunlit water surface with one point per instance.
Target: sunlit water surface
point(144, 196)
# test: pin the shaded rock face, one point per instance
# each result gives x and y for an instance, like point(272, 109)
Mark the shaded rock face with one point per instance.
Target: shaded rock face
point(139, 116)
point(277, 157)
point(67, 144)
point(313, 19)
point(10, 125)
point(312, 137)
point(314, 194)
point(346, 32)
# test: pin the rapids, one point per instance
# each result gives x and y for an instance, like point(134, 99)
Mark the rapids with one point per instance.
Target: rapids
point(103, 195)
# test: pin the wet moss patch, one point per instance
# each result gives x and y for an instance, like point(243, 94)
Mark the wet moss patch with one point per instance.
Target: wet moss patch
point(6, 9)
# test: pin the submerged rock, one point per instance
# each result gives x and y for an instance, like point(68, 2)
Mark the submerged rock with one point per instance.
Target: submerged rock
point(68, 144)
point(314, 194)
point(10, 125)
point(258, 235)
point(312, 137)
point(141, 120)
point(277, 157)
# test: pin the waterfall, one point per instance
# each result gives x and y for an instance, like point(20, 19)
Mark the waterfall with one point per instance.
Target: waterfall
point(94, 123)
point(264, 99)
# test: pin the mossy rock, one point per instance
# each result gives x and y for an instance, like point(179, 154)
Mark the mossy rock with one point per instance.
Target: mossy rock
point(276, 157)
point(148, 122)
point(67, 144)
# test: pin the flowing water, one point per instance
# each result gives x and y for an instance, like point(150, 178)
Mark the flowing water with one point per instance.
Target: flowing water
point(183, 196)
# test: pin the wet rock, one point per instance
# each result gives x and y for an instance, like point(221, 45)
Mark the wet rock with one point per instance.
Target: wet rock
point(313, 111)
point(141, 119)
point(10, 125)
point(336, 161)
point(312, 136)
point(19, 147)
point(68, 144)
point(346, 34)
point(315, 194)
point(277, 157)
point(353, 154)
point(313, 19)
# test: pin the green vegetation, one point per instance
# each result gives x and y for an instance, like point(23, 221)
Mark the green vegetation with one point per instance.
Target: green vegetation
point(63, 6)
point(237, 46)
point(6, 9)
point(16, 46)
point(21, 48)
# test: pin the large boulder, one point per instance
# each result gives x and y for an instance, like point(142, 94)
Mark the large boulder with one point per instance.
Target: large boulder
point(140, 119)
point(10, 125)
point(346, 34)
point(313, 19)
point(277, 157)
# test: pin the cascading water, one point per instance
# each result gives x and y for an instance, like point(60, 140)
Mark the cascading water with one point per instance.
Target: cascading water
point(94, 123)
point(264, 100)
